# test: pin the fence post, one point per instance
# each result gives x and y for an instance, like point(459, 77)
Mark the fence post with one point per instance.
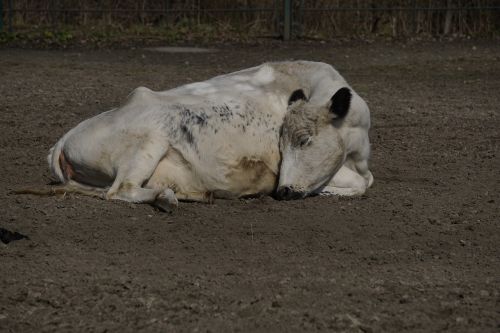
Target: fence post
point(287, 22)
point(10, 16)
point(166, 9)
point(447, 19)
point(1, 15)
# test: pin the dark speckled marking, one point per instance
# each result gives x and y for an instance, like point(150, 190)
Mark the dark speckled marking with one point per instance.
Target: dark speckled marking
point(187, 134)
point(223, 112)
point(193, 118)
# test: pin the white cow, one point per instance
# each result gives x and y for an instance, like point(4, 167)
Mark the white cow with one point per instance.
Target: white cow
point(221, 138)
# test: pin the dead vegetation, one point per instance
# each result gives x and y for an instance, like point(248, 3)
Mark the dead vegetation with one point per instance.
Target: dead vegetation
point(60, 21)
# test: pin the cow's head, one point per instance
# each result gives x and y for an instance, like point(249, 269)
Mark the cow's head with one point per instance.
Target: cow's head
point(311, 147)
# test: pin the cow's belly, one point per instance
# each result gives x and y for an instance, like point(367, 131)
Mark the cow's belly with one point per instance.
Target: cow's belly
point(246, 177)
point(175, 173)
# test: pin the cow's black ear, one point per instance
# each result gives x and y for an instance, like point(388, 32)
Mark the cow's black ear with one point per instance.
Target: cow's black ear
point(341, 101)
point(296, 95)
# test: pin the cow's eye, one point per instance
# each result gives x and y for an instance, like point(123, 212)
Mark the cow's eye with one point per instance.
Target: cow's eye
point(306, 141)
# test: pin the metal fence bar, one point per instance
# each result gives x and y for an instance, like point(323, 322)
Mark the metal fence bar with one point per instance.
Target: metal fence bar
point(166, 8)
point(236, 10)
point(241, 10)
point(345, 9)
point(10, 16)
point(287, 21)
point(1, 15)
point(152, 11)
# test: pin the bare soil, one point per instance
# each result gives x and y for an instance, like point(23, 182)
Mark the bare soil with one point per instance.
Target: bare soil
point(420, 252)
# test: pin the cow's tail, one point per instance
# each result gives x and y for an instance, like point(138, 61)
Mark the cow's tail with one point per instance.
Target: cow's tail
point(69, 187)
point(54, 160)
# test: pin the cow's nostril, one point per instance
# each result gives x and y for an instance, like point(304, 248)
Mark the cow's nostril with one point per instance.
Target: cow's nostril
point(284, 193)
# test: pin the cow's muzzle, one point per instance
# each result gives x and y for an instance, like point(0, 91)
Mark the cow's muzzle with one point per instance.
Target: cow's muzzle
point(288, 193)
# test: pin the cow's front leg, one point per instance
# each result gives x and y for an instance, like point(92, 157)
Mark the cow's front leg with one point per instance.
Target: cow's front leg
point(346, 182)
point(166, 200)
point(132, 175)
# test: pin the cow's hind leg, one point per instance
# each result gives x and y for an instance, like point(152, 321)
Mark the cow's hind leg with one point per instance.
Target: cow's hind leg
point(132, 175)
point(362, 168)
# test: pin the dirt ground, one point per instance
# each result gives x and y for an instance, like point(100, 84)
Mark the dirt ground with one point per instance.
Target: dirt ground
point(419, 252)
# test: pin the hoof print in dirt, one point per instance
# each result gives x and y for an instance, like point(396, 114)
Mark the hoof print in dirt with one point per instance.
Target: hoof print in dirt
point(7, 236)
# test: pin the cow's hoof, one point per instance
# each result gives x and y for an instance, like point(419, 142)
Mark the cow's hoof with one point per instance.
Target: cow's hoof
point(166, 201)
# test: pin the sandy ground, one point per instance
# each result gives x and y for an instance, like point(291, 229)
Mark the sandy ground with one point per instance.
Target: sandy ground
point(419, 252)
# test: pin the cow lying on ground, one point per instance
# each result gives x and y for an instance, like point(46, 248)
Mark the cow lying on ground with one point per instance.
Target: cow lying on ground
point(289, 128)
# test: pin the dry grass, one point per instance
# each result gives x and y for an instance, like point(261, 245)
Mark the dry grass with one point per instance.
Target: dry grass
point(178, 19)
